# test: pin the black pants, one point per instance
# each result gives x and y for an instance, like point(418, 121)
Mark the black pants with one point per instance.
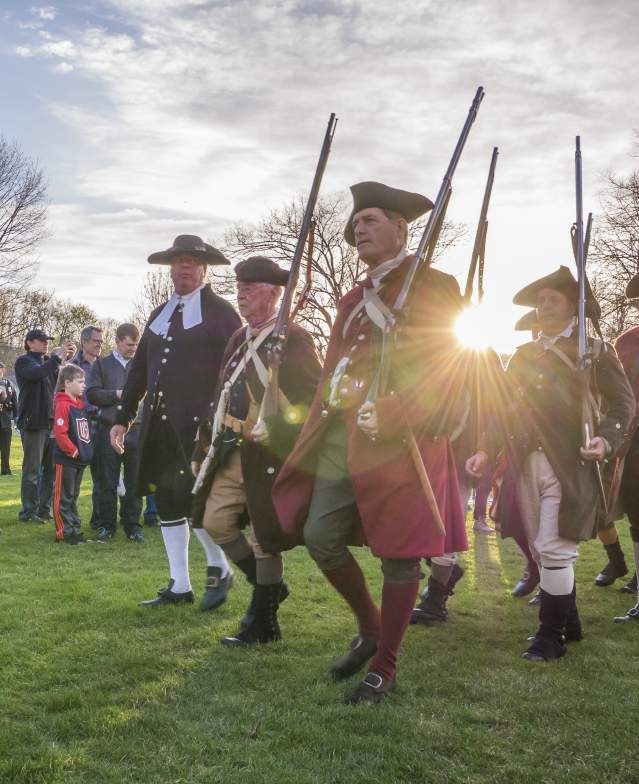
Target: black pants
point(109, 463)
point(37, 473)
point(65, 500)
point(5, 449)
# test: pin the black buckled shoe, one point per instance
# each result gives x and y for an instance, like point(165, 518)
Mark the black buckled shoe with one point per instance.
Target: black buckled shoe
point(249, 616)
point(217, 588)
point(616, 566)
point(631, 615)
point(543, 649)
point(630, 586)
point(529, 581)
point(361, 650)
point(264, 627)
point(167, 596)
point(374, 688)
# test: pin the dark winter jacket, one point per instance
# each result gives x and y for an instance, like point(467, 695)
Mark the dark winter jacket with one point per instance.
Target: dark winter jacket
point(36, 375)
point(72, 432)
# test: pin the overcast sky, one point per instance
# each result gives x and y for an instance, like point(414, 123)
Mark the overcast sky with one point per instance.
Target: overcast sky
point(158, 117)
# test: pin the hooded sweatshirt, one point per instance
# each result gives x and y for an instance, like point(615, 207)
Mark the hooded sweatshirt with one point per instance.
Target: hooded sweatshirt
point(72, 432)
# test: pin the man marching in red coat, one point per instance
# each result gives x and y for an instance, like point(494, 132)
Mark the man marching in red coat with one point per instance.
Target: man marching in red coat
point(351, 478)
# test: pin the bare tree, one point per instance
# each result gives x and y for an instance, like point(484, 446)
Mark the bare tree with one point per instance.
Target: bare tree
point(615, 252)
point(335, 264)
point(22, 214)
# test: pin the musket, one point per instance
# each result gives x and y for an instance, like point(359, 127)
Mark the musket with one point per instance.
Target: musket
point(277, 341)
point(422, 260)
point(308, 281)
point(584, 353)
point(479, 245)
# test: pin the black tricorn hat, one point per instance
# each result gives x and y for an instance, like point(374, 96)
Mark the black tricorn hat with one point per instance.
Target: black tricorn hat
point(528, 322)
point(190, 245)
point(561, 280)
point(632, 289)
point(375, 194)
point(260, 269)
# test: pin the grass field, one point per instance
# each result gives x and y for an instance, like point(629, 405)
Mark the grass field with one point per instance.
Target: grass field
point(95, 689)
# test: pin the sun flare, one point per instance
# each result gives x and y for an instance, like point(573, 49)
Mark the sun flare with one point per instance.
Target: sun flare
point(477, 328)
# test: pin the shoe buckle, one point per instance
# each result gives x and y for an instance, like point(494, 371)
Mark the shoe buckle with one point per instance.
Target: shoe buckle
point(373, 685)
point(213, 582)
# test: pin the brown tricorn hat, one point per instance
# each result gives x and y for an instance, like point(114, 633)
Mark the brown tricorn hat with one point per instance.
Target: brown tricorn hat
point(260, 269)
point(375, 194)
point(561, 280)
point(528, 322)
point(189, 245)
point(632, 289)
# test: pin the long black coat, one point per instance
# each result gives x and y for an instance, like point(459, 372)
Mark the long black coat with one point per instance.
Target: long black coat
point(544, 411)
point(178, 374)
point(298, 378)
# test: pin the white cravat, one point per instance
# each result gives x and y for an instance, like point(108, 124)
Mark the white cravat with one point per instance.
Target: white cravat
point(566, 333)
point(191, 305)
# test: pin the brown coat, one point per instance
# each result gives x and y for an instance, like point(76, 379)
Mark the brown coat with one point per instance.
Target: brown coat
point(424, 395)
point(543, 411)
point(298, 377)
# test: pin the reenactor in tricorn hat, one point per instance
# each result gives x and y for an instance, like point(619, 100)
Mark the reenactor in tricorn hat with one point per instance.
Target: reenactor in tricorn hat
point(555, 484)
point(248, 452)
point(351, 477)
point(176, 366)
point(627, 346)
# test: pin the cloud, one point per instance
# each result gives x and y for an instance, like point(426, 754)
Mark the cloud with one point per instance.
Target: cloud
point(214, 112)
point(45, 13)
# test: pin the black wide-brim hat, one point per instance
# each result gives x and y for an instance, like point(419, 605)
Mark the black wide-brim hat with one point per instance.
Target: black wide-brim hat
point(260, 269)
point(190, 245)
point(561, 280)
point(375, 194)
point(632, 289)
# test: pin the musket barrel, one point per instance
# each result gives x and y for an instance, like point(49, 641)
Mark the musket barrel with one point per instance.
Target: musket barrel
point(438, 206)
point(480, 234)
point(581, 262)
point(280, 330)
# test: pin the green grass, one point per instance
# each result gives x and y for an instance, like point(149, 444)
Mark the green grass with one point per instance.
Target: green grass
point(95, 689)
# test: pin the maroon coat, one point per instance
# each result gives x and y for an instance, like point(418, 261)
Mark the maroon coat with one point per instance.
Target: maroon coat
point(396, 520)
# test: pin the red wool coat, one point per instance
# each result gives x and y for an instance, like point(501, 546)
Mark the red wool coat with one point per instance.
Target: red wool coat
point(425, 383)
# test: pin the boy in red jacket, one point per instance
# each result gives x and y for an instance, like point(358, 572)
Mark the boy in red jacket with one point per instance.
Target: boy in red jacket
point(72, 452)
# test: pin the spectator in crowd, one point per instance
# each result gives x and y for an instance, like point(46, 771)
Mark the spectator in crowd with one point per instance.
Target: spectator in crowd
point(91, 341)
point(8, 411)
point(104, 391)
point(72, 452)
point(36, 374)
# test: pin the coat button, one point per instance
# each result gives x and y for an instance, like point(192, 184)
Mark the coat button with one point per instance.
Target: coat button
point(163, 417)
point(196, 419)
point(618, 426)
point(361, 336)
point(163, 361)
point(169, 339)
point(324, 413)
point(160, 393)
point(181, 470)
point(166, 350)
point(270, 470)
point(233, 364)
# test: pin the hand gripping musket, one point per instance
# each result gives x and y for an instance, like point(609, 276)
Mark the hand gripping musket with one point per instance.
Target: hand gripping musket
point(479, 246)
point(584, 352)
point(278, 338)
point(422, 259)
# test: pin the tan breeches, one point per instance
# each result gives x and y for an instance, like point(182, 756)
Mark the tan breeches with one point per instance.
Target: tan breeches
point(539, 493)
point(226, 505)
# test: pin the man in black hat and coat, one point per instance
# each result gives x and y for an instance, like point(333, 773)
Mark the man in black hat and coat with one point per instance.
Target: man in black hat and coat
point(248, 449)
point(554, 479)
point(176, 366)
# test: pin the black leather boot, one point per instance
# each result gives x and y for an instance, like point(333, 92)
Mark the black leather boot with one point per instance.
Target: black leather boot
point(548, 643)
point(574, 630)
point(264, 627)
point(528, 582)
point(616, 566)
point(249, 615)
point(432, 608)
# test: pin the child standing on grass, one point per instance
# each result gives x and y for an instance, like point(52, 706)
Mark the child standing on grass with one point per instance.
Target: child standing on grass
point(72, 452)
